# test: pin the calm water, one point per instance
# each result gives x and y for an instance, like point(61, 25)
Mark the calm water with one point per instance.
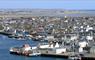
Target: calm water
point(6, 43)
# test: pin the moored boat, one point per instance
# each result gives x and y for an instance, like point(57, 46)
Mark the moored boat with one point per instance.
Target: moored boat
point(26, 50)
point(74, 57)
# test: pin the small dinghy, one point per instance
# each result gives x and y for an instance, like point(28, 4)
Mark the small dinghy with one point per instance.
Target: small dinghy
point(74, 57)
point(35, 54)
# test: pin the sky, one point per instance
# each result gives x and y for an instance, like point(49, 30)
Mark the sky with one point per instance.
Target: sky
point(48, 4)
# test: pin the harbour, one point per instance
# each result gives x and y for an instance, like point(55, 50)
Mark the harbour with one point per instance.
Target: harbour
point(6, 43)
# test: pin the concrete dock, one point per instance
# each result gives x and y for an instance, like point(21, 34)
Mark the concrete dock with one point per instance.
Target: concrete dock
point(88, 57)
point(66, 55)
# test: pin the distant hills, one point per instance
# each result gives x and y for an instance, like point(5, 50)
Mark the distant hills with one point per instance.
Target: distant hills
point(44, 12)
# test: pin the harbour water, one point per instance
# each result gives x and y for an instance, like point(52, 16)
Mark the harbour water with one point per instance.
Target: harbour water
point(6, 43)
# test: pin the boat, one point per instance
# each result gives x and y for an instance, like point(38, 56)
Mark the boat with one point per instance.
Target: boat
point(25, 51)
point(35, 54)
point(74, 57)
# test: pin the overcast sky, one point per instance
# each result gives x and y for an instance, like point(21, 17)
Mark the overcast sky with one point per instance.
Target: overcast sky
point(48, 4)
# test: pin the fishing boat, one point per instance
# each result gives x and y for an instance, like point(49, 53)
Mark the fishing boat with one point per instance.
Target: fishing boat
point(26, 50)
